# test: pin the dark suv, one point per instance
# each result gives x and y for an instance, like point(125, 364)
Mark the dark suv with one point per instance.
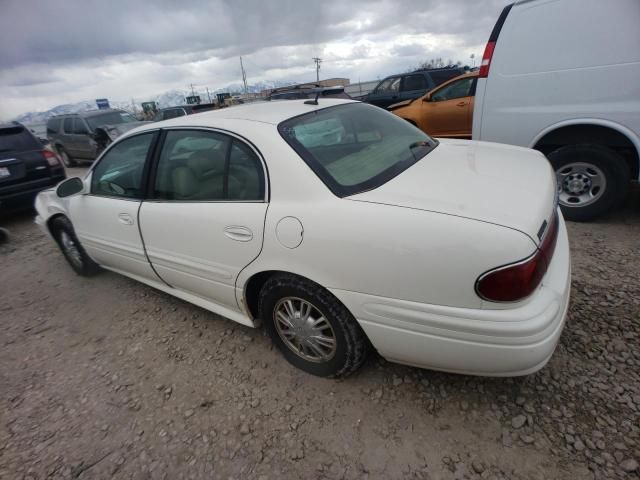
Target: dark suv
point(408, 86)
point(295, 93)
point(83, 136)
point(26, 167)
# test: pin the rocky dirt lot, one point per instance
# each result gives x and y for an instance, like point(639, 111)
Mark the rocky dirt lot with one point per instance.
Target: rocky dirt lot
point(108, 378)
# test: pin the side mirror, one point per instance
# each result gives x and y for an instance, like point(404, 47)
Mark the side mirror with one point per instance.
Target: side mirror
point(70, 186)
point(427, 97)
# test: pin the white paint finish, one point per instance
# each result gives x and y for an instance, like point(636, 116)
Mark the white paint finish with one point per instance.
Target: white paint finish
point(471, 341)
point(188, 245)
point(476, 180)
point(384, 250)
point(110, 242)
point(289, 232)
point(576, 71)
point(403, 258)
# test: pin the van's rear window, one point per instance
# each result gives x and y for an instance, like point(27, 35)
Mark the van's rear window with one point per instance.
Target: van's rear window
point(355, 147)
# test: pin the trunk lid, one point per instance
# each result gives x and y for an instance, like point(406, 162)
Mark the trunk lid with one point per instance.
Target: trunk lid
point(501, 184)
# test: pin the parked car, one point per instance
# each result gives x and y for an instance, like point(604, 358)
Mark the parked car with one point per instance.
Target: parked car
point(83, 136)
point(445, 111)
point(26, 167)
point(570, 91)
point(408, 86)
point(182, 110)
point(434, 252)
point(296, 93)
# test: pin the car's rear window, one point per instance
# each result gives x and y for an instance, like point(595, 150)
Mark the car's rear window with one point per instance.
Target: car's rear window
point(355, 147)
point(111, 118)
point(17, 139)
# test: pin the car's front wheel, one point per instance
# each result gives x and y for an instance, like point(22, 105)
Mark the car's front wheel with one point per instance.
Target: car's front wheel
point(71, 247)
point(591, 180)
point(311, 328)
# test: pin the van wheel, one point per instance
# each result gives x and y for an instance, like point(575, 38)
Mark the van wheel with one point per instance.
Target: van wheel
point(66, 158)
point(312, 328)
point(72, 249)
point(591, 180)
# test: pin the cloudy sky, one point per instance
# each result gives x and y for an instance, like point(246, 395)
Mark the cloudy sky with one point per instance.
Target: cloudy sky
point(57, 52)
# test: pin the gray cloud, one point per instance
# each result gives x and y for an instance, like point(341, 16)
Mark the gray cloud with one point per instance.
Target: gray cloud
point(125, 48)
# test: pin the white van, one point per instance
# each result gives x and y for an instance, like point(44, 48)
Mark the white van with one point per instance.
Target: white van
point(563, 77)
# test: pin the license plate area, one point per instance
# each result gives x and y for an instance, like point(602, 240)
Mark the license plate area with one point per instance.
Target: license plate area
point(5, 172)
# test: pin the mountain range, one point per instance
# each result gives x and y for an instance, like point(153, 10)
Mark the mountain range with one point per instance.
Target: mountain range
point(166, 99)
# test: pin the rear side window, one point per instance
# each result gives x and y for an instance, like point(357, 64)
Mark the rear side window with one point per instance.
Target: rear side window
point(414, 82)
point(17, 139)
point(206, 166)
point(68, 125)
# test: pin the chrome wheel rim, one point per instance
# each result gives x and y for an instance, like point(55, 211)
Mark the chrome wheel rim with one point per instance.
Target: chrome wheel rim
point(304, 329)
point(71, 249)
point(580, 184)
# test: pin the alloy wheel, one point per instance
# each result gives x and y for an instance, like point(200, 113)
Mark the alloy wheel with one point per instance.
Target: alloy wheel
point(304, 329)
point(580, 184)
point(71, 249)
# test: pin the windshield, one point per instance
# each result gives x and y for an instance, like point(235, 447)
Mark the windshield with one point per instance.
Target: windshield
point(110, 118)
point(355, 147)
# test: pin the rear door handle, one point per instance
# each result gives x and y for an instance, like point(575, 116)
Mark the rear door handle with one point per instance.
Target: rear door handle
point(240, 234)
point(125, 218)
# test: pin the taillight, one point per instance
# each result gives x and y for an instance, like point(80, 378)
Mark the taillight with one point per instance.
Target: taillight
point(517, 281)
point(486, 60)
point(51, 158)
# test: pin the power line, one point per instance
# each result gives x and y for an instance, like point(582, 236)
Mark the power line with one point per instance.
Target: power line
point(318, 61)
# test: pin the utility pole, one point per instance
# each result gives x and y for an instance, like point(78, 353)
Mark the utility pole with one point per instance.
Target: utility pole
point(193, 94)
point(209, 96)
point(318, 61)
point(244, 77)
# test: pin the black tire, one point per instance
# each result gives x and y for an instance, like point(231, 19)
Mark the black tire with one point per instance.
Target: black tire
point(81, 263)
point(351, 344)
point(612, 166)
point(66, 158)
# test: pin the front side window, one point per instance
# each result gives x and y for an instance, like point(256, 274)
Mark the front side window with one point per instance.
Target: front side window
point(390, 85)
point(459, 89)
point(120, 171)
point(204, 166)
point(79, 127)
point(355, 147)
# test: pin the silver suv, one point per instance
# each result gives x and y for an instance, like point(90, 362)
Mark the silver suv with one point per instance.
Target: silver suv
point(83, 136)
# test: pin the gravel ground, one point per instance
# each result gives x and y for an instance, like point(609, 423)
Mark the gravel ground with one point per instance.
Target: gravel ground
point(108, 378)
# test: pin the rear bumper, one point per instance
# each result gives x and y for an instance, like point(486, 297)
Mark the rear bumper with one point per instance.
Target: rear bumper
point(503, 342)
point(22, 195)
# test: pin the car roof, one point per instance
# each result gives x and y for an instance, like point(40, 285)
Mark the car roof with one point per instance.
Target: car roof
point(88, 113)
point(264, 112)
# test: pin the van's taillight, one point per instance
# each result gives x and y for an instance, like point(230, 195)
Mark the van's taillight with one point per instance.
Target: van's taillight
point(517, 281)
point(51, 158)
point(486, 60)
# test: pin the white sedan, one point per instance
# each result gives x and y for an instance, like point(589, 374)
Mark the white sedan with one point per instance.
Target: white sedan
point(338, 226)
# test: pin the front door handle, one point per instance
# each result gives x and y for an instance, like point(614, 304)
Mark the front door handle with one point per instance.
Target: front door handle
point(240, 234)
point(125, 219)
point(461, 104)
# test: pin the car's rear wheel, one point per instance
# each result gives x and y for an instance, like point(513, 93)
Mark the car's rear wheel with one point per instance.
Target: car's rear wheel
point(311, 328)
point(66, 158)
point(591, 180)
point(71, 247)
